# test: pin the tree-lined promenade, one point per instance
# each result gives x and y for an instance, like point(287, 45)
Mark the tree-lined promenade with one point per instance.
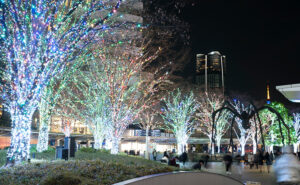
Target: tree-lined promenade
point(97, 62)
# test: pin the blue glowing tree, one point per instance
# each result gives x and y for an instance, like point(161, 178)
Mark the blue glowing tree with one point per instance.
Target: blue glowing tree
point(38, 38)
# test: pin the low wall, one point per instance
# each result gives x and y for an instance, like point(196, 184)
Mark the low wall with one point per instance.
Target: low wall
point(183, 178)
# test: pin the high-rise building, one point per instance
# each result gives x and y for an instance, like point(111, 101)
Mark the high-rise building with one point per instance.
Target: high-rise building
point(210, 70)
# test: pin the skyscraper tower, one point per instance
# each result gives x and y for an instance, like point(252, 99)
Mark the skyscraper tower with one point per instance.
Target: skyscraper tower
point(210, 70)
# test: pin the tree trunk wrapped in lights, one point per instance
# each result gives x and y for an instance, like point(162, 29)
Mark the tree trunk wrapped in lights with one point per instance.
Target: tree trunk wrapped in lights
point(111, 88)
point(242, 134)
point(87, 98)
point(45, 119)
point(38, 38)
point(267, 119)
point(148, 121)
point(50, 97)
point(208, 103)
point(20, 142)
point(178, 117)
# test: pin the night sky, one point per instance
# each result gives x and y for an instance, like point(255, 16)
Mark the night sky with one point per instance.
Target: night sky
point(261, 41)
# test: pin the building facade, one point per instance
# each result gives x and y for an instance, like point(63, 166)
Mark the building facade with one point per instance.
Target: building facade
point(211, 70)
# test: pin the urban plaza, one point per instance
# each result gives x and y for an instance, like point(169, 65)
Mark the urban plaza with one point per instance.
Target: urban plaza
point(149, 92)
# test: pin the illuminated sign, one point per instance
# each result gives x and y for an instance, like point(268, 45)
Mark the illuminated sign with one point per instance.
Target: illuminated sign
point(1, 110)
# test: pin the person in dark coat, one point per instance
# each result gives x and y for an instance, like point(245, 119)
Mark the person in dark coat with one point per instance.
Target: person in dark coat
point(172, 162)
point(154, 154)
point(206, 157)
point(228, 161)
point(184, 157)
point(166, 154)
point(198, 165)
point(256, 160)
point(269, 160)
point(260, 160)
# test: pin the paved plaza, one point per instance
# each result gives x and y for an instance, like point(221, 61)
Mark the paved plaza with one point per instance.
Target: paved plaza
point(242, 173)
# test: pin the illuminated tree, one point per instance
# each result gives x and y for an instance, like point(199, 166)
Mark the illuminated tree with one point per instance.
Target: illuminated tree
point(275, 129)
point(255, 131)
point(37, 39)
point(128, 90)
point(178, 116)
point(221, 128)
point(268, 119)
point(112, 89)
point(65, 113)
point(208, 103)
point(66, 125)
point(88, 98)
point(148, 121)
point(242, 134)
point(49, 99)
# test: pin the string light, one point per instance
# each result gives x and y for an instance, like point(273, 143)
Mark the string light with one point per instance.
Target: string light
point(50, 97)
point(38, 39)
point(178, 117)
point(208, 103)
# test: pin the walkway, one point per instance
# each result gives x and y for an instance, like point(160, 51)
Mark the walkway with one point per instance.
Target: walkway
point(244, 175)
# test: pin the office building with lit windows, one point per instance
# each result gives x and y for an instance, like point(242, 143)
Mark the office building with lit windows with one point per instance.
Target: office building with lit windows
point(211, 70)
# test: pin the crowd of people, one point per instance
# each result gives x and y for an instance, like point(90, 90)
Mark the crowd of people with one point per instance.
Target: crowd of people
point(171, 158)
point(250, 160)
point(254, 161)
point(259, 161)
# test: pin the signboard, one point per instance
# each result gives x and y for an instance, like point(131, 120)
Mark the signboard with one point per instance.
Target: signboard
point(154, 133)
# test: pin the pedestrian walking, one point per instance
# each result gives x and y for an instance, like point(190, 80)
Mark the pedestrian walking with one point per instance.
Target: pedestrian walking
point(184, 157)
point(205, 158)
point(269, 160)
point(251, 160)
point(256, 160)
point(154, 154)
point(260, 160)
point(228, 161)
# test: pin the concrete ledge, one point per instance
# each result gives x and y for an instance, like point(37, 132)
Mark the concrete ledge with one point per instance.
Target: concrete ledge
point(182, 178)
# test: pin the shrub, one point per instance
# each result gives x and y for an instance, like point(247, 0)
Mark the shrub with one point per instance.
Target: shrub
point(33, 149)
point(88, 150)
point(49, 150)
point(104, 151)
point(66, 179)
point(47, 155)
point(2, 157)
point(62, 179)
point(103, 169)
